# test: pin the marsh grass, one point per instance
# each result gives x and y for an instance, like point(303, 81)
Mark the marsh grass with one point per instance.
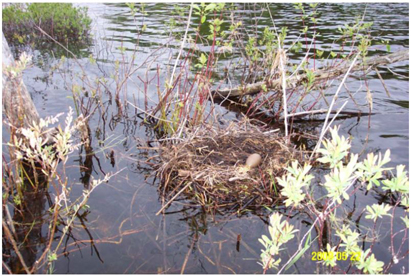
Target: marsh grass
point(62, 21)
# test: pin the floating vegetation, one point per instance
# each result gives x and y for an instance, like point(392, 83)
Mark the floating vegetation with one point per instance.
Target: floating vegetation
point(209, 167)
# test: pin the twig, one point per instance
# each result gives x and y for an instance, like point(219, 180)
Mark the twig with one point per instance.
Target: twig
point(382, 81)
point(9, 219)
point(7, 268)
point(65, 48)
point(174, 197)
point(187, 256)
point(284, 77)
point(182, 43)
point(148, 114)
point(320, 74)
point(302, 61)
point(321, 216)
point(325, 126)
point(351, 96)
point(322, 111)
point(85, 197)
point(399, 75)
point(336, 115)
point(284, 86)
point(16, 249)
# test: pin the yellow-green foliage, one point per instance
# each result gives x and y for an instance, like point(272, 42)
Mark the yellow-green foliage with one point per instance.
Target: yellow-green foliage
point(345, 171)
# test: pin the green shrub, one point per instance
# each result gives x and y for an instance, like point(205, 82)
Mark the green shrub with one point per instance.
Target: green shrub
point(62, 21)
point(338, 185)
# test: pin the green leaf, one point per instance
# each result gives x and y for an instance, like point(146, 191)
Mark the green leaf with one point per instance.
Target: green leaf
point(377, 211)
point(195, 6)
point(203, 19)
point(203, 58)
point(369, 265)
point(305, 30)
point(210, 7)
point(307, 245)
point(264, 87)
point(52, 257)
point(406, 220)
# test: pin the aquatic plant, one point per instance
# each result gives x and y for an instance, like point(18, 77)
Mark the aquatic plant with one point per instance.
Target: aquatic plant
point(345, 173)
point(37, 168)
point(280, 233)
point(369, 264)
point(62, 21)
point(295, 183)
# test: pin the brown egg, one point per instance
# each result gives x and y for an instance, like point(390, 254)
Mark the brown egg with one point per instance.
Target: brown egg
point(253, 160)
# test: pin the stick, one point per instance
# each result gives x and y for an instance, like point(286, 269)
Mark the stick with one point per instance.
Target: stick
point(399, 75)
point(284, 86)
point(187, 256)
point(250, 89)
point(325, 126)
point(382, 81)
point(148, 114)
point(320, 216)
point(283, 77)
point(182, 43)
point(7, 267)
point(15, 247)
point(322, 111)
point(174, 197)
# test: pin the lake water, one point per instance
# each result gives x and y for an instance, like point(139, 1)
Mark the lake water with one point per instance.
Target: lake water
point(127, 235)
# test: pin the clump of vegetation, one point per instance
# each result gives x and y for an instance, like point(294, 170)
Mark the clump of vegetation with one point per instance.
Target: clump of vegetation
point(280, 233)
point(338, 240)
point(62, 21)
point(37, 170)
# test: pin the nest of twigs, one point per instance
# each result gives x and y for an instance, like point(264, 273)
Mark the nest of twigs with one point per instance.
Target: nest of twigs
point(208, 167)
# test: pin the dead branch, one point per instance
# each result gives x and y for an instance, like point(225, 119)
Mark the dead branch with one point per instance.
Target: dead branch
point(324, 111)
point(321, 74)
